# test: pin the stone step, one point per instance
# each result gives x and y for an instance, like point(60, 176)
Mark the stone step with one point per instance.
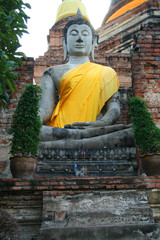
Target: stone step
point(96, 209)
point(112, 232)
point(111, 216)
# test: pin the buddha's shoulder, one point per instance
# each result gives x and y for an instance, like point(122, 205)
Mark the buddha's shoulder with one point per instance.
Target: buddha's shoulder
point(57, 69)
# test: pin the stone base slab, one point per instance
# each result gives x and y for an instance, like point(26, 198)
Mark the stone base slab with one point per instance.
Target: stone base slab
point(96, 209)
point(112, 232)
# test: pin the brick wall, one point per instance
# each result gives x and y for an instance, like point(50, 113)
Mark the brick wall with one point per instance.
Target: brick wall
point(76, 185)
point(146, 67)
point(121, 63)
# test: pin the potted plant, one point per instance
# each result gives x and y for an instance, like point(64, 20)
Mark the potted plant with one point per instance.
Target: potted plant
point(146, 136)
point(25, 133)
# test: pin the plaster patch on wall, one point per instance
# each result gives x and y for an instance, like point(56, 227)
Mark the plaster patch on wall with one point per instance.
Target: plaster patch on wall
point(152, 98)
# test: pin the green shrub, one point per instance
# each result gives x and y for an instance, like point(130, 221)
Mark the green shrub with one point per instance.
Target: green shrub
point(146, 134)
point(26, 125)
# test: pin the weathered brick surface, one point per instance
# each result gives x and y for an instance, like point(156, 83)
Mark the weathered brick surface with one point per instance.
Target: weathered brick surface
point(22, 192)
point(145, 67)
point(74, 185)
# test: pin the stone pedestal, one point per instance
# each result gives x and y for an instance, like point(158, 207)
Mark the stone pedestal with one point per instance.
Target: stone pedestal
point(92, 162)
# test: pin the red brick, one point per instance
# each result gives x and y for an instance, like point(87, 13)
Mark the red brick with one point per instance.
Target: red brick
point(65, 187)
point(85, 186)
point(74, 187)
point(22, 183)
point(60, 216)
point(17, 188)
point(93, 182)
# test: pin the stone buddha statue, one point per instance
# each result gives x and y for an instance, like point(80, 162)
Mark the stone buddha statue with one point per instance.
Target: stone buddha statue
point(88, 105)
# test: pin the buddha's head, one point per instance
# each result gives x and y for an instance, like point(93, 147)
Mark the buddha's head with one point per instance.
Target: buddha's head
point(80, 37)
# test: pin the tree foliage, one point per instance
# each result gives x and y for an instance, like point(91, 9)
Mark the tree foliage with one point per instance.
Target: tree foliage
point(146, 134)
point(26, 123)
point(13, 22)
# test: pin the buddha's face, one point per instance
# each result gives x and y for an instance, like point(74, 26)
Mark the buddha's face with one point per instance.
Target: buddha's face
point(79, 40)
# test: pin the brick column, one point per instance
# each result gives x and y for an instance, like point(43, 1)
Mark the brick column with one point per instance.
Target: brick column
point(146, 66)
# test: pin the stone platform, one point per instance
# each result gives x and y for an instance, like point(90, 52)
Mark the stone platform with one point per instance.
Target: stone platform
point(112, 232)
point(96, 209)
point(76, 208)
point(98, 216)
point(94, 162)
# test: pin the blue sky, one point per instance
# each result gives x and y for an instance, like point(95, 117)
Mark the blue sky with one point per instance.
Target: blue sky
point(42, 18)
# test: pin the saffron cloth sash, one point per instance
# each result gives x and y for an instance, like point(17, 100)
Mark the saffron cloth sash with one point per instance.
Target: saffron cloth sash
point(83, 92)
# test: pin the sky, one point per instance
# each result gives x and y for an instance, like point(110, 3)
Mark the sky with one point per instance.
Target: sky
point(42, 17)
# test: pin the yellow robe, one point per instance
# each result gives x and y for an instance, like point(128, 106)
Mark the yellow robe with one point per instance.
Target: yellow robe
point(83, 92)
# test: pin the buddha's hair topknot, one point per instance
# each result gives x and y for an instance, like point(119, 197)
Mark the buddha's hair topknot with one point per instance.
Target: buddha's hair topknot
point(79, 19)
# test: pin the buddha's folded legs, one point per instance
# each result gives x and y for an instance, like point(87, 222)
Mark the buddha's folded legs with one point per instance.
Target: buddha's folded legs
point(52, 133)
point(119, 138)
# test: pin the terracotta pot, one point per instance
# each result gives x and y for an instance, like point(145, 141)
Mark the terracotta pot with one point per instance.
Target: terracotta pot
point(151, 164)
point(23, 167)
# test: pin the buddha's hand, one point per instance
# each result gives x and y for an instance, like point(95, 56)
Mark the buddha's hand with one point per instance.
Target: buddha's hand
point(83, 125)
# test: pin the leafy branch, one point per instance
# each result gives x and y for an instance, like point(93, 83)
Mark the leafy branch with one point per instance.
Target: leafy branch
point(13, 23)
